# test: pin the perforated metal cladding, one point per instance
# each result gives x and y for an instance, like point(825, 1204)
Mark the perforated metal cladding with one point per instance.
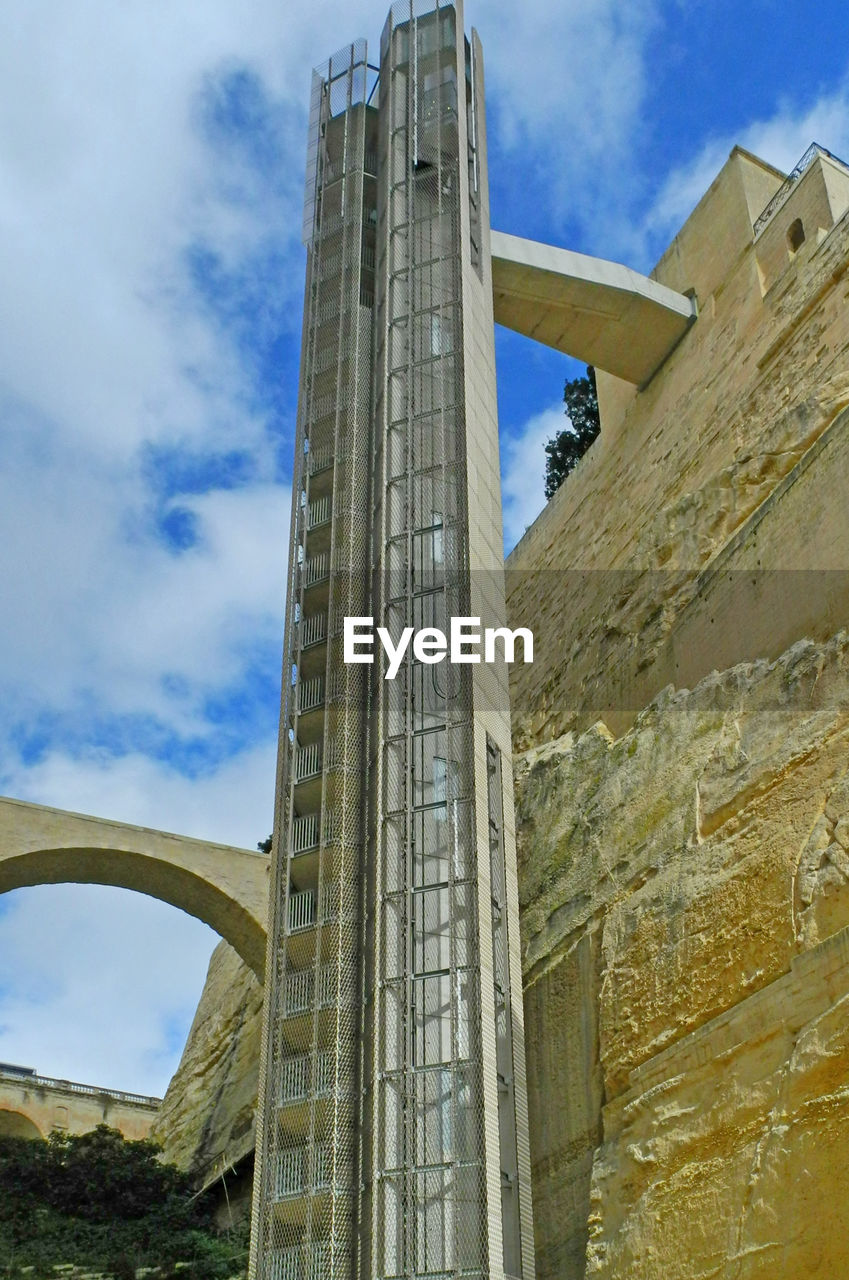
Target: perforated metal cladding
point(425, 1158)
point(383, 1150)
point(308, 1177)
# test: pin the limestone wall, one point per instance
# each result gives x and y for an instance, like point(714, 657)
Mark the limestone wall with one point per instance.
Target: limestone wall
point(685, 900)
point(681, 794)
point(206, 1120)
point(685, 909)
point(675, 494)
point(681, 800)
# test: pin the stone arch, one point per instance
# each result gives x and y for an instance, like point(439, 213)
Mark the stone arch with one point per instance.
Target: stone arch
point(14, 1124)
point(224, 886)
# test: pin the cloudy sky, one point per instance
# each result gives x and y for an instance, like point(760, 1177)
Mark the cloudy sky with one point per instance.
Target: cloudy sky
point(151, 160)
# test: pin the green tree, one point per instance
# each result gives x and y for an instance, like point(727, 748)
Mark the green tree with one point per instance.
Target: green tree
point(565, 450)
point(100, 1175)
point(99, 1201)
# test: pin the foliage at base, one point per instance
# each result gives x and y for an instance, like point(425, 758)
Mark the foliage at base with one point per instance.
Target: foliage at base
point(101, 1202)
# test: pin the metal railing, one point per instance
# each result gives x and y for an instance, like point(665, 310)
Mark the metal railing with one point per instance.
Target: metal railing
point(71, 1086)
point(308, 762)
point(290, 1172)
point(320, 459)
point(300, 985)
point(302, 907)
point(305, 833)
point(313, 629)
point(293, 1171)
point(789, 183)
point(295, 1079)
point(301, 911)
point(316, 569)
point(300, 995)
point(310, 694)
point(319, 512)
point(295, 1083)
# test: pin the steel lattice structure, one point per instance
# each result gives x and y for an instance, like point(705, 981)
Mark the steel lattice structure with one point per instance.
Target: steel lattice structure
point(392, 1138)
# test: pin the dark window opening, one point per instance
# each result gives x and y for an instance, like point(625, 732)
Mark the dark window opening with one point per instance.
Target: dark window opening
point(795, 235)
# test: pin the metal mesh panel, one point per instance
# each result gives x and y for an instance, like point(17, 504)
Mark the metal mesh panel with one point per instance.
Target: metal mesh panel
point(430, 1213)
point(306, 1203)
point(380, 1117)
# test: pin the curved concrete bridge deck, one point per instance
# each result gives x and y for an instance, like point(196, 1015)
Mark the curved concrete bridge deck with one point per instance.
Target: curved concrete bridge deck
point(224, 886)
point(598, 311)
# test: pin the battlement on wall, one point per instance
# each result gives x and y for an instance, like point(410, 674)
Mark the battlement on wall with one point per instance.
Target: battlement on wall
point(663, 555)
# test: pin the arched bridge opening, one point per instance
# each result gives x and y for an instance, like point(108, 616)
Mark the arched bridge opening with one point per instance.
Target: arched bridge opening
point(224, 886)
point(14, 1124)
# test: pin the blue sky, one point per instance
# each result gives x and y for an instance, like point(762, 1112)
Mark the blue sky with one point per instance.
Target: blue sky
point(151, 273)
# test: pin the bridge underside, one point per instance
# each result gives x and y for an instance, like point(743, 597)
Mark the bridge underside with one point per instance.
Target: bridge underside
point(224, 886)
point(597, 311)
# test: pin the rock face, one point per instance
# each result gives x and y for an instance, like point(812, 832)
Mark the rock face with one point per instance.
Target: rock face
point(685, 907)
point(206, 1121)
point(684, 878)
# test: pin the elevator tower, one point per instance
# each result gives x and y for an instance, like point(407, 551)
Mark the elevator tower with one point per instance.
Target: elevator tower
point(392, 1137)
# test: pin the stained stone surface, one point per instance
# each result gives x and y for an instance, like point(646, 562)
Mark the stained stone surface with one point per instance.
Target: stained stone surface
point(685, 905)
point(206, 1121)
point(685, 908)
point(706, 526)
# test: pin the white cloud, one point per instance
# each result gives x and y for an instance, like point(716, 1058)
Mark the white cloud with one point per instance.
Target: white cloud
point(231, 803)
point(104, 984)
point(87, 608)
point(101, 172)
point(111, 175)
point(107, 179)
point(780, 139)
point(565, 87)
point(192, 616)
point(100, 985)
point(523, 472)
point(567, 71)
point(108, 175)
